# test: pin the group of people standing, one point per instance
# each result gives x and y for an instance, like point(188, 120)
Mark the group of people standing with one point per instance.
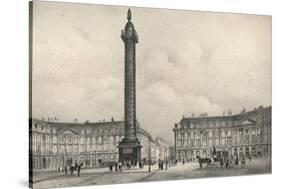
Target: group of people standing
point(161, 164)
point(119, 166)
point(76, 167)
point(233, 161)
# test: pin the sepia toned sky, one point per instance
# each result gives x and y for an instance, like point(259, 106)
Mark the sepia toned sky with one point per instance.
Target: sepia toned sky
point(187, 61)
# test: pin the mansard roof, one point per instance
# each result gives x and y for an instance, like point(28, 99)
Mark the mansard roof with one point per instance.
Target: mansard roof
point(250, 117)
point(255, 111)
point(88, 125)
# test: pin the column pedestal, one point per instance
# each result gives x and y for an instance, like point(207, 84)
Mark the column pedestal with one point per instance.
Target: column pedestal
point(129, 150)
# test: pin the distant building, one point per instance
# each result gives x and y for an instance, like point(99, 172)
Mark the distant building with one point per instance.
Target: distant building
point(163, 147)
point(172, 155)
point(247, 133)
point(56, 144)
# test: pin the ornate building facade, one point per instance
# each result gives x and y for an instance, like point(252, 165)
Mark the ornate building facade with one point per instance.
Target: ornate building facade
point(56, 144)
point(246, 133)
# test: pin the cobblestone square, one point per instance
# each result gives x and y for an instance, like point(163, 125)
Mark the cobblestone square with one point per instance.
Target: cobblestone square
point(186, 171)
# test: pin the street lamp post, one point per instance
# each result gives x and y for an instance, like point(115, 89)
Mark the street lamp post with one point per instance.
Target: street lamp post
point(165, 159)
point(149, 159)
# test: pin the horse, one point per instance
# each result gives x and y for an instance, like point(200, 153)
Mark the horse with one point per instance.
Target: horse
point(203, 160)
point(74, 168)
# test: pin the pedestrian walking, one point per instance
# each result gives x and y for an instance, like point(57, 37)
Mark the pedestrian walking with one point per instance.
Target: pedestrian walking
point(140, 164)
point(120, 166)
point(76, 164)
point(65, 169)
point(236, 161)
point(227, 163)
point(243, 162)
point(221, 162)
point(116, 166)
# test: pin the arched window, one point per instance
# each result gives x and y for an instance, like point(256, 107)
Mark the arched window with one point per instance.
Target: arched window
point(99, 140)
point(111, 139)
point(93, 140)
point(54, 139)
point(105, 140)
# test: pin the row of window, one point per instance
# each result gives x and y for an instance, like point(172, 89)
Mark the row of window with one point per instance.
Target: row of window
point(220, 133)
point(48, 129)
point(47, 148)
point(190, 143)
point(207, 124)
point(74, 139)
point(62, 149)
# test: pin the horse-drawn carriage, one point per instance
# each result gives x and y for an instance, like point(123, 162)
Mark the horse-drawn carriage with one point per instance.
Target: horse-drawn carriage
point(216, 159)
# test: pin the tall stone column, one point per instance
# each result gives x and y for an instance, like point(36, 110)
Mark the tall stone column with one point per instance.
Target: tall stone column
point(129, 147)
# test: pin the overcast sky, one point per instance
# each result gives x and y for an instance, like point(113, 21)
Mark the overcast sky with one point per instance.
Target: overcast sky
point(187, 61)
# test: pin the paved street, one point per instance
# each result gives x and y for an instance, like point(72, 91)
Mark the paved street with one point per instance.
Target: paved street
point(187, 171)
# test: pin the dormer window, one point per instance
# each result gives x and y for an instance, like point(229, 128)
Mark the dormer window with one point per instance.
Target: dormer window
point(191, 126)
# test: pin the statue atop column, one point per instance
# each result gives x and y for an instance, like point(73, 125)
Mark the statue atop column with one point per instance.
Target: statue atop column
point(129, 15)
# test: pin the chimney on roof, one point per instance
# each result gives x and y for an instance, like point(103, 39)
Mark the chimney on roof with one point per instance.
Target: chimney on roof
point(223, 113)
point(193, 114)
point(112, 119)
point(229, 112)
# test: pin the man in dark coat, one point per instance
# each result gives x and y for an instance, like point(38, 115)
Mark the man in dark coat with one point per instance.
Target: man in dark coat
point(65, 169)
point(116, 166)
point(76, 164)
point(236, 160)
point(221, 161)
point(214, 151)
